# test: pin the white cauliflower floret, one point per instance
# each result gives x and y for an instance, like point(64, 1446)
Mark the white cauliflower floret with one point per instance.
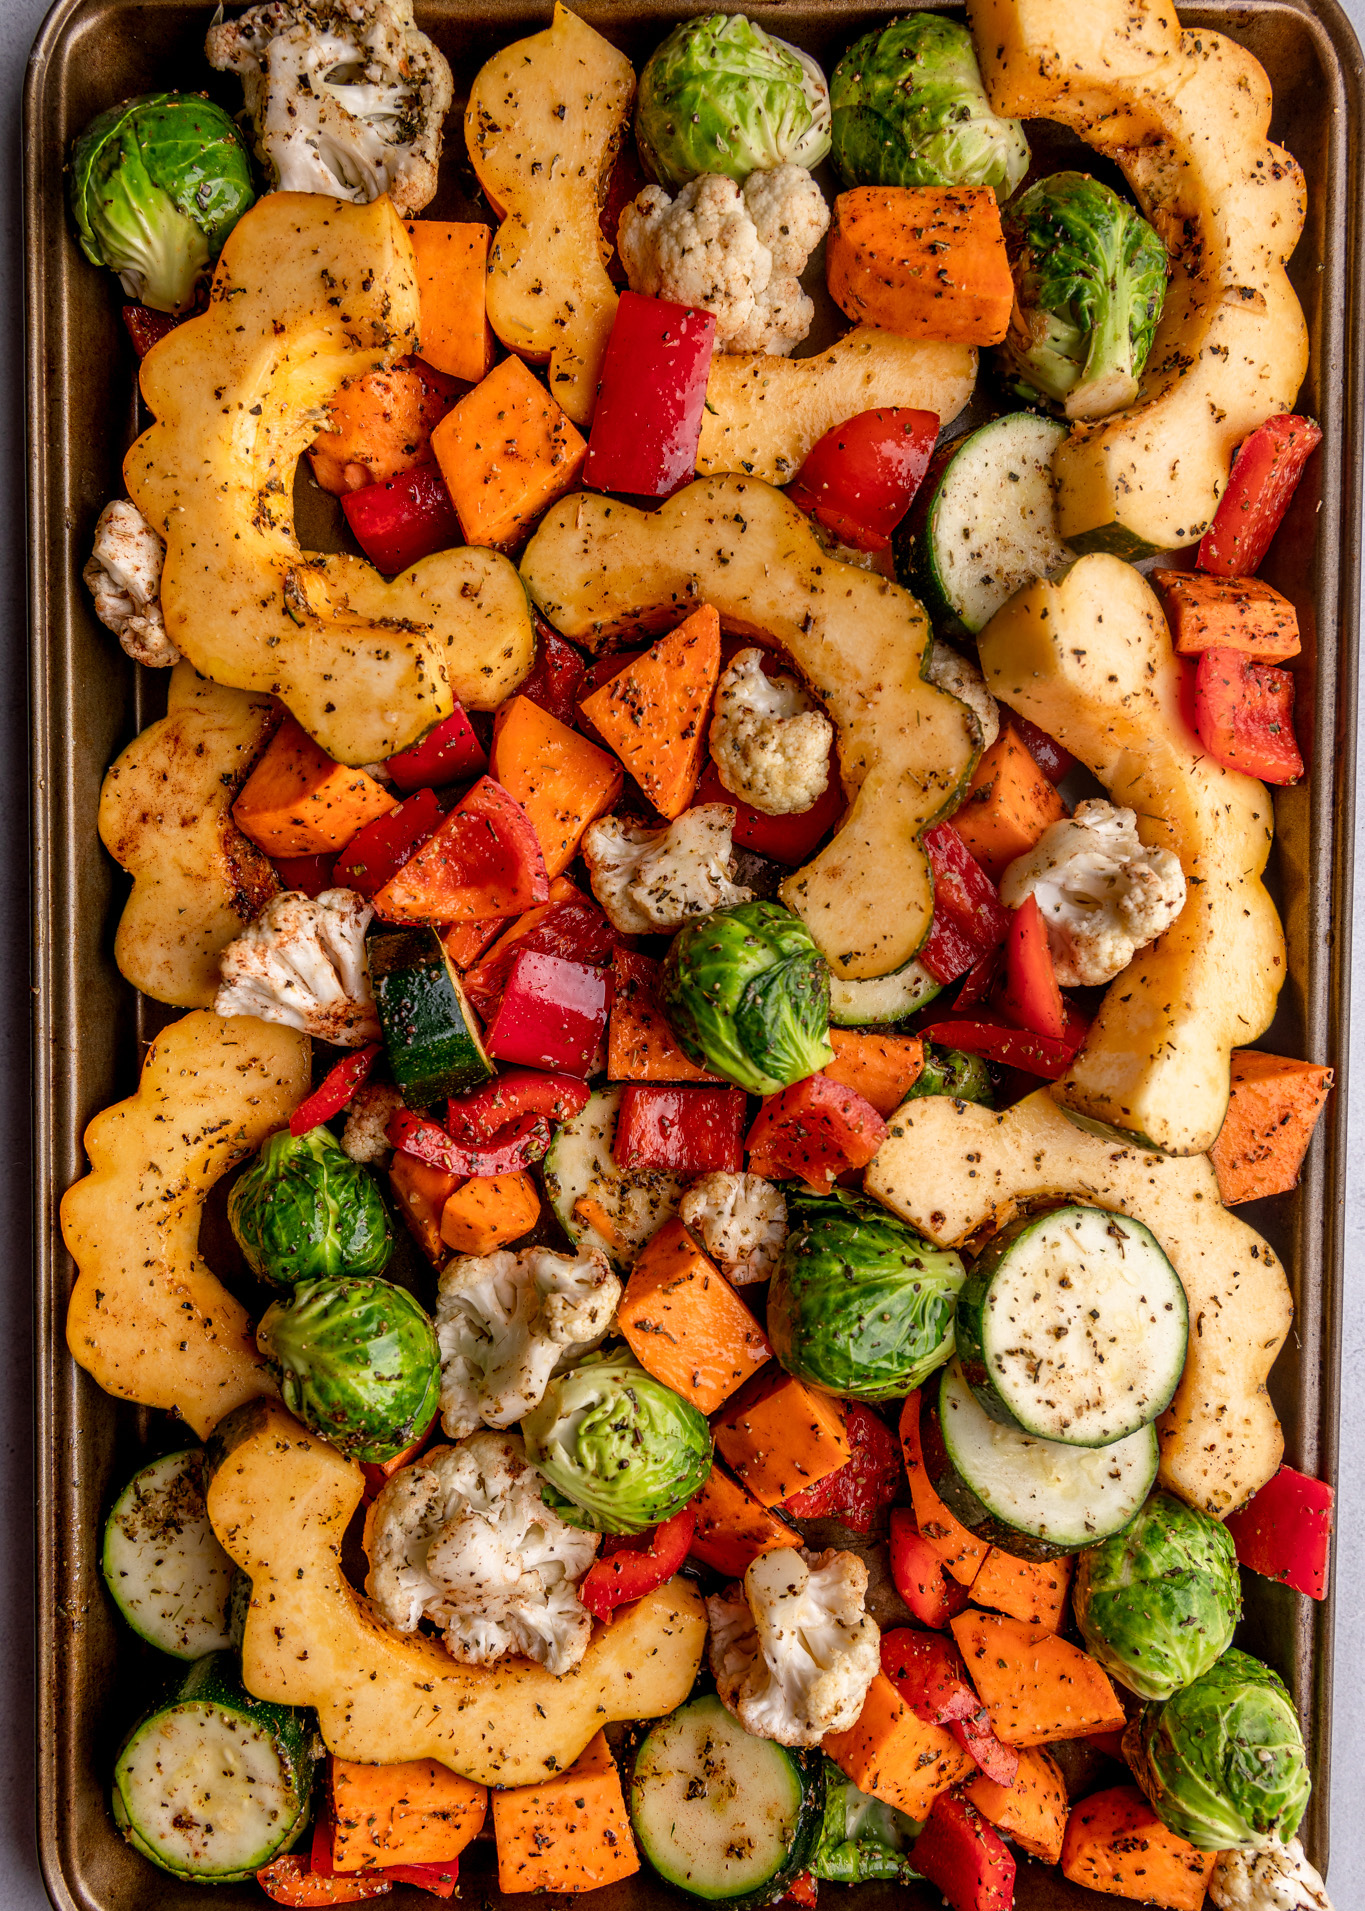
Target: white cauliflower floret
point(769, 741)
point(124, 574)
point(1103, 894)
point(365, 1136)
point(345, 97)
point(947, 669)
point(736, 253)
point(302, 962)
point(463, 1538)
point(649, 880)
point(1278, 1877)
point(507, 1322)
point(742, 1221)
point(794, 1653)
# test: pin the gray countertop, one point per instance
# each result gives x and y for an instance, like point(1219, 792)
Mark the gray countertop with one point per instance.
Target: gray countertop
point(21, 1887)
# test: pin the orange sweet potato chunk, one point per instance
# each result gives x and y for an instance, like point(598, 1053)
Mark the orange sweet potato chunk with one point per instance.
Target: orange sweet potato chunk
point(1236, 613)
point(420, 1193)
point(960, 1550)
point(452, 279)
point(686, 1325)
point(1035, 1686)
point(1034, 1591)
point(733, 1528)
point(570, 1833)
point(881, 1068)
point(562, 781)
point(895, 1756)
point(1115, 1843)
point(418, 1813)
point(506, 452)
point(923, 261)
point(781, 1437)
point(641, 1047)
point(1008, 805)
point(653, 713)
point(1032, 1811)
point(1272, 1112)
point(489, 1211)
point(298, 801)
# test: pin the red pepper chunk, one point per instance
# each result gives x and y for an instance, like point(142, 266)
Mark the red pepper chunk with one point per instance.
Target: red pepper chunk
point(399, 521)
point(1032, 996)
point(802, 1890)
point(814, 1132)
point(789, 840)
point(556, 674)
point(919, 1575)
point(969, 918)
point(553, 1014)
point(1264, 476)
point(377, 852)
point(448, 753)
point(147, 328)
point(484, 1112)
point(647, 424)
point(1244, 713)
point(632, 1565)
point(1047, 753)
point(308, 874)
point(965, 1857)
point(674, 1129)
point(577, 930)
point(860, 478)
point(335, 1090)
point(1285, 1532)
point(483, 860)
point(858, 1492)
point(996, 1041)
point(289, 1881)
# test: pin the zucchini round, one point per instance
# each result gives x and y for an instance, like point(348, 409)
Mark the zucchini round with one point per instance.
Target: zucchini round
point(721, 1814)
point(582, 1181)
point(1072, 1326)
point(163, 1566)
point(881, 998)
point(1035, 1498)
point(214, 1784)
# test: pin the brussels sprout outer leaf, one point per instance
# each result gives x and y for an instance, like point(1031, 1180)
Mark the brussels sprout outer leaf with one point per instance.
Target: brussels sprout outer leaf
point(948, 1071)
point(861, 1837)
point(304, 1209)
point(746, 993)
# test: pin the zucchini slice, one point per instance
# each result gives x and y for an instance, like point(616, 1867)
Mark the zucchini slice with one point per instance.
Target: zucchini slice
point(431, 1035)
point(1073, 1326)
point(598, 1204)
point(163, 1566)
point(214, 1784)
point(881, 998)
point(990, 524)
point(1035, 1498)
point(720, 1814)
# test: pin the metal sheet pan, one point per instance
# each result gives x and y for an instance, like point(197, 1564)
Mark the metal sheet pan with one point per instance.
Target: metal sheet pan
point(87, 701)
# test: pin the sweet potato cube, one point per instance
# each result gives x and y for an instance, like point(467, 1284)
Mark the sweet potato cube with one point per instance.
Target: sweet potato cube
point(653, 713)
point(1116, 1843)
point(685, 1323)
point(1031, 1811)
point(960, 1550)
point(488, 1212)
point(570, 1833)
point(298, 801)
point(1035, 1686)
point(452, 311)
point(1272, 1112)
point(417, 1813)
point(733, 1528)
point(923, 261)
point(1032, 1591)
point(881, 1068)
point(895, 1756)
point(562, 781)
point(641, 1047)
point(506, 452)
point(780, 1437)
point(1238, 613)
point(1008, 805)
point(420, 1193)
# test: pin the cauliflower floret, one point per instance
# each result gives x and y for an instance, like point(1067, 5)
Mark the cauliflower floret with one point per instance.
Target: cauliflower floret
point(1103, 894)
point(345, 97)
point(948, 670)
point(793, 1653)
point(1278, 1877)
point(736, 253)
point(742, 1221)
point(302, 962)
point(124, 574)
point(649, 880)
point(769, 741)
point(464, 1539)
point(507, 1322)
point(365, 1136)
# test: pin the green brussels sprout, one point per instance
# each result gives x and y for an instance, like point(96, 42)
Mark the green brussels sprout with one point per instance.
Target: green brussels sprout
point(157, 183)
point(620, 1450)
point(860, 1305)
point(1089, 285)
point(861, 1837)
point(1159, 1601)
point(304, 1208)
point(357, 1361)
point(746, 992)
point(722, 96)
point(947, 1071)
point(1222, 1760)
point(908, 109)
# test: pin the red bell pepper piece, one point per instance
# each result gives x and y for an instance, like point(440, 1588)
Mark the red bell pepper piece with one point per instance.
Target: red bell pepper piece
point(439, 1880)
point(631, 1565)
point(288, 1880)
point(675, 1129)
point(484, 860)
point(858, 1492)
point(997, 1041)
point(484, 1112)
point(1264, 475)
point(919, 1575)
point(1244, 713)
point(978, 983)
point(309, 874)
point(335, 1090)
point(814, 1132)
point(931, 1676)
point(1047, 753)
point(401, 520)
point(448, 753)
point(147, 328)
point(379, 851)
point(789, 840)
point(969, 918)
point(578, 931)
point(802, 1890)
point(625, 182)
point(555, 675)
point(552, 1014)
point(1032, 997)
point(1285, 1531)
point(965, 1857)
point(647, 424)
point(860, 478)
point(513, 1148)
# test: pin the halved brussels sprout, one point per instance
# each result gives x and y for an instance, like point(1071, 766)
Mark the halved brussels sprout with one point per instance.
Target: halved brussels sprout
point(948, 1071)
point(861, 1837)
point(304, 1209)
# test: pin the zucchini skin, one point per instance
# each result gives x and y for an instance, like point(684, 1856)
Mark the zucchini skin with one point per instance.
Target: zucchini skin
point(430, 1035)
